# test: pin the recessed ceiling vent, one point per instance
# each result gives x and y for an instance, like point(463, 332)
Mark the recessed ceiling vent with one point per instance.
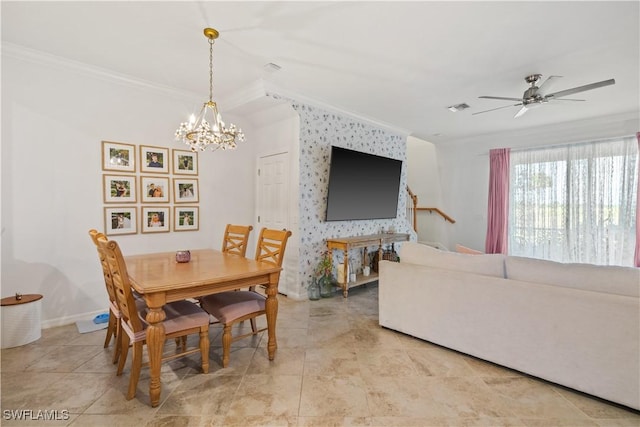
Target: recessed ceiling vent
point(458, 107)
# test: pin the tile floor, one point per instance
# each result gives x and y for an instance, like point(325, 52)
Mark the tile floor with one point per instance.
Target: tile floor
point(334, 367)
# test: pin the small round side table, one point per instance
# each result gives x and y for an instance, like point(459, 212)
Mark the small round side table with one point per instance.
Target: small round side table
point(21, 320)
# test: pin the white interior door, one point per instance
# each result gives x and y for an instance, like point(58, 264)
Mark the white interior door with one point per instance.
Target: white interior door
point(273, 199)
point(273, 191)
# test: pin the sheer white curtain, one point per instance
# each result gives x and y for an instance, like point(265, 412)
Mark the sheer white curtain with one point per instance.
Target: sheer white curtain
point(575, 203)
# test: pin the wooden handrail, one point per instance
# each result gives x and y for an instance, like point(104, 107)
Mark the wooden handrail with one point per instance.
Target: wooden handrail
point(411, 210)
point(439, 212)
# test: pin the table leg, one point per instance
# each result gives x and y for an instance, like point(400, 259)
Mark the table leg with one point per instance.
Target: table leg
point(155, 343)
point(271, 308)
point(345, 285)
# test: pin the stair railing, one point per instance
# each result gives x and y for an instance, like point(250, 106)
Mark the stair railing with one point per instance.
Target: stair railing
point(413, 209)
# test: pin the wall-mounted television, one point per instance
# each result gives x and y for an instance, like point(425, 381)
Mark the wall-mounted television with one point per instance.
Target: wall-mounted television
point(362, 186)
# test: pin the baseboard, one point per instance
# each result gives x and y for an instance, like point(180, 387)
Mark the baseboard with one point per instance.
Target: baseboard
point(68, 320)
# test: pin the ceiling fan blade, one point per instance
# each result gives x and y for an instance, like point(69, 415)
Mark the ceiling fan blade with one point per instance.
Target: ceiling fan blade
point(545, 85)
point(501, 97)
point(567, 99)
point(521, 112)
point(499, 108)
point(581, 88)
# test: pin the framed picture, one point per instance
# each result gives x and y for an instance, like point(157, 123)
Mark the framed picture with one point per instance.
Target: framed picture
point(118, 157)
point(185, 190)
point(154, 189)
point(155, 219)
point(185, 162)
point(119, 188)
point(154, 159)
point(120, 220)
point(185, 218)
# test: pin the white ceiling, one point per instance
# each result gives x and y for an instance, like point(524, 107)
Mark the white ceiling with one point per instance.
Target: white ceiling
point(400, 63)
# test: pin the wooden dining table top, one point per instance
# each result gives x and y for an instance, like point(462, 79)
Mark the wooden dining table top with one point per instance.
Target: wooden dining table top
point(160, 272)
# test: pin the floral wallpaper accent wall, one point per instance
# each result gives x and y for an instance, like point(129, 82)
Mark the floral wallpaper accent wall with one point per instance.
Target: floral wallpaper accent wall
point(319, 130)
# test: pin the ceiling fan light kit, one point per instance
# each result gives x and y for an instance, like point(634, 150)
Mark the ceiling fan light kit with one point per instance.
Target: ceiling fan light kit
point(208, 130)
point(535, 96)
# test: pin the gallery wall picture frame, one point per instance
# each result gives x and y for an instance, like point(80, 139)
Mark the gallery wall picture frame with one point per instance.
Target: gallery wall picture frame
point(155, 219)
point(185, 162)
point(117, 156)
point(186, 218)
point(119, 220)
point(185, 190)
point(119, 188)
point(154, 159)
point(154, 189)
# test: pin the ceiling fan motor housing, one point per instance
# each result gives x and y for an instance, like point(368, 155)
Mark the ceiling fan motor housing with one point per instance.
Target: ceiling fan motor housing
point(531, 96)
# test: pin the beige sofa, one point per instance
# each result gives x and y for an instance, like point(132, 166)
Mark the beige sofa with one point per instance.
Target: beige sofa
point(577, 325)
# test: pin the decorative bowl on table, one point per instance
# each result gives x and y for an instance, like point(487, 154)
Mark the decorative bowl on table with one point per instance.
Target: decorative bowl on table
point(183, 256)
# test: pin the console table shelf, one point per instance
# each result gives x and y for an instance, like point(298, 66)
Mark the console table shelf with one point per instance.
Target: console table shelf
point(345, 244)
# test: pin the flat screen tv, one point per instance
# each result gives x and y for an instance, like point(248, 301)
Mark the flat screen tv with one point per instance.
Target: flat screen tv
point(362, 186)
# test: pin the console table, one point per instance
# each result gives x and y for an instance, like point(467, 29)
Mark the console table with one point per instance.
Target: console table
point(345, 244)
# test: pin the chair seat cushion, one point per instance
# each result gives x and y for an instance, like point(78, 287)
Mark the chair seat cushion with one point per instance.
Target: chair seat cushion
point(180, 315)
point(231, 305)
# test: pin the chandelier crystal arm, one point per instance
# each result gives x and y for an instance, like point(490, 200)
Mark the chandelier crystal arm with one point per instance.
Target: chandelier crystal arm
point(208, 130)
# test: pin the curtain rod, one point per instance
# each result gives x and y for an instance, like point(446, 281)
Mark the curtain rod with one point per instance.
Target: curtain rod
point(566, 144)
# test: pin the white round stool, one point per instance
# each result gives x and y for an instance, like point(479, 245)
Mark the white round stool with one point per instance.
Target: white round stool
point(21, 320)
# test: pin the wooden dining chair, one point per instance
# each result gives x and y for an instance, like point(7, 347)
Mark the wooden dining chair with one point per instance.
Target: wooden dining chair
point(235, 239)
point(183, 318)
point(113, 327)
point(232, 307)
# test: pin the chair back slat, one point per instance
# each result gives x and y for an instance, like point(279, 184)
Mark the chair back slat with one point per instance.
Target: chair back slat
point(235, 239)
point(122, 286)
point(95, 235)
point(271, 245)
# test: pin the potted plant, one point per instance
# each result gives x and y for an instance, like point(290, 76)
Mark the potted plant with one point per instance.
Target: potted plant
point(323, 275)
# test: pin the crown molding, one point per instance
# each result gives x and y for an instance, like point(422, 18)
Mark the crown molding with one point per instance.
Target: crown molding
point(593, 128)
point(273, 90)
point(39, 57)
point(259, 89)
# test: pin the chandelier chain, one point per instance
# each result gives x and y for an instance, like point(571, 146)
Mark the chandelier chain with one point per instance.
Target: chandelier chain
point(208, 130)
point(211, 41)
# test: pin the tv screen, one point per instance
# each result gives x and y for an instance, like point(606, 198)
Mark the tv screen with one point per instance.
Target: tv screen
point(362, 186)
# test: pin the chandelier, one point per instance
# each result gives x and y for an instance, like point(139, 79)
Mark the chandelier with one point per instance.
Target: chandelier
point(208, 129)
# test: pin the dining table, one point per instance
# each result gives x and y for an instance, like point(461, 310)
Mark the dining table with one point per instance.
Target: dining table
point(160, 279)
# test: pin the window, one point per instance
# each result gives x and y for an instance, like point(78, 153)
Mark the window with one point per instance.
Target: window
point(575, 203)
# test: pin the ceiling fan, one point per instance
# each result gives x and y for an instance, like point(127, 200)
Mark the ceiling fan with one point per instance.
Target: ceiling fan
point(535, 95)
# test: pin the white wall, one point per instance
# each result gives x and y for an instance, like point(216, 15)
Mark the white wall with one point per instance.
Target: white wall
point(54, 117)
point(464, 166)
point(423, 177)
point(277, 131)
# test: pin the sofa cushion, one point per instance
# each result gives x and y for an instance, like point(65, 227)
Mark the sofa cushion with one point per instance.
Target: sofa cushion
point(598, 278)
point(487, 265)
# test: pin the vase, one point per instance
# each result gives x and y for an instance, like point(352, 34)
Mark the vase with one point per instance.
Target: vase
point(314, 290)
point(326, 286)
point(183, 256)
